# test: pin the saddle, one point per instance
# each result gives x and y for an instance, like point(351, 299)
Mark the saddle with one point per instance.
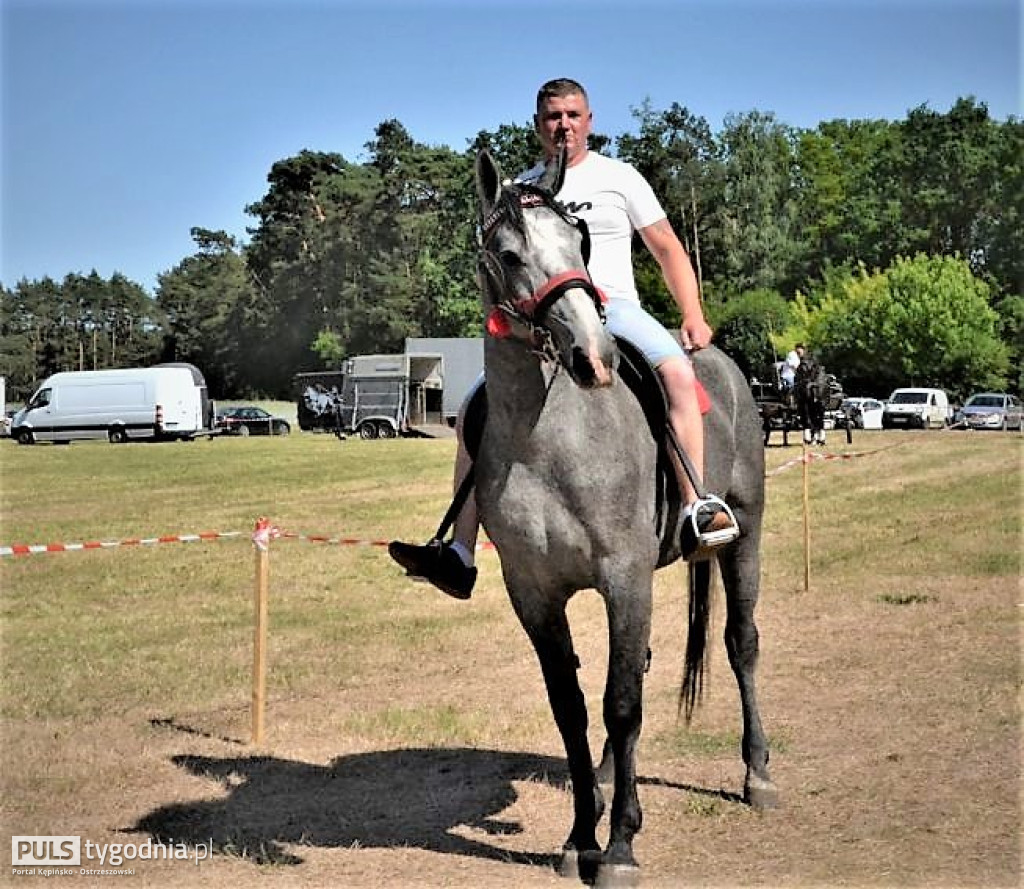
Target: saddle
point(645, 384)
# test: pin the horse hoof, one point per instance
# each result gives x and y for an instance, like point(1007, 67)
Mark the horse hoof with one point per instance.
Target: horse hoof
point(617, 876)
point(760, 794)
point(578, 865)
point(569, 864)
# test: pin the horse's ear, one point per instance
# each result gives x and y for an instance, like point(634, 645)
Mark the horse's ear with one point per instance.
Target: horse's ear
point(554, 172)
point(488, 180)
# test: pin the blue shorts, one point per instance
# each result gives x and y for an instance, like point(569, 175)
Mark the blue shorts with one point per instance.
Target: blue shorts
point(628, 319)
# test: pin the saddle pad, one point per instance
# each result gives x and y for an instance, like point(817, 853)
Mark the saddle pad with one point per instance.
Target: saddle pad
point(703, 399)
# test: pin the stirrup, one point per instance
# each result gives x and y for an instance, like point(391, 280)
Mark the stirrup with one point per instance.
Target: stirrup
point(709, 541)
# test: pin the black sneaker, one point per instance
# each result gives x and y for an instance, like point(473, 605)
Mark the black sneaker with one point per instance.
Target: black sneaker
point(438, 563)
point(709, 526)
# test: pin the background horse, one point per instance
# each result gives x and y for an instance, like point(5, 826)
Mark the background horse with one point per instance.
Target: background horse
point(567, 488)
point(811, 390)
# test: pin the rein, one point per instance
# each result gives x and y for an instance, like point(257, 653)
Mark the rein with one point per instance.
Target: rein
point(529, 310)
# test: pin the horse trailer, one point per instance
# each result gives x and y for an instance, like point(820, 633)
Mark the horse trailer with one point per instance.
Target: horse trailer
point(463, 362)
point(168, 401)
point(373, 396)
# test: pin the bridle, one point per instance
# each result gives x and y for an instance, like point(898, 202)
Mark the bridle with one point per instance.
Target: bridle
point(529, 311)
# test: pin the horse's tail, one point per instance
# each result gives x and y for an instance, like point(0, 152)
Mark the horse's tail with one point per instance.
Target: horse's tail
point(695, 667)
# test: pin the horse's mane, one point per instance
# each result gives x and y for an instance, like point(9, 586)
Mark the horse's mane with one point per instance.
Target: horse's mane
point(509, 206)
point(516, 195)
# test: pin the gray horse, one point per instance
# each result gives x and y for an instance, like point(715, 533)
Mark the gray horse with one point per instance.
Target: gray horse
point(567, 482)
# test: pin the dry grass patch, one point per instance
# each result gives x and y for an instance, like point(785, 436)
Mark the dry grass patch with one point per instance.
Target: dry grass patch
point(409, 741)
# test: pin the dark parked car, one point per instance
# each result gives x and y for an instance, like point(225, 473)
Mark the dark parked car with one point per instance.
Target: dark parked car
point(251, 421)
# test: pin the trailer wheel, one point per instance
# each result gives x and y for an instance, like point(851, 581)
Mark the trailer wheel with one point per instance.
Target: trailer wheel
point(25, 437)
point(387, 431)
point(117, 435)
point(368, 430)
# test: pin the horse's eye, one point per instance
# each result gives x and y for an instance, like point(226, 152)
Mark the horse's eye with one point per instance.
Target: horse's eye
point(510, 259)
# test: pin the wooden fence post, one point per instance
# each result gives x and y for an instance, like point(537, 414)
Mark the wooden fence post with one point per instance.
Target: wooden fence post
point(261, 544)
point(807, 518)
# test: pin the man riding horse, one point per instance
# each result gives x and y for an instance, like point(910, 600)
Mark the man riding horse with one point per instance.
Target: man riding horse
point(614, 201)
point(811, 390)
point(570, 477)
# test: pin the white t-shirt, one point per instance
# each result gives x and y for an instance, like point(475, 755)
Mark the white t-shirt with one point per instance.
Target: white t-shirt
point(614, 200)
point(789, 367)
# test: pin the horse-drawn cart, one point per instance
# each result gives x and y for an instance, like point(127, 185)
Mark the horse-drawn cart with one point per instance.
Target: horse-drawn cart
point(779, 408)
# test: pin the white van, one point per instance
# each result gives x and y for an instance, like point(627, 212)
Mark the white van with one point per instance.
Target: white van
point(167, 401)
point(916, 408)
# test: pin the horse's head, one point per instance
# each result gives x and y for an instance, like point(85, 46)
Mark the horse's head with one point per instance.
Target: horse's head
point(536, 286)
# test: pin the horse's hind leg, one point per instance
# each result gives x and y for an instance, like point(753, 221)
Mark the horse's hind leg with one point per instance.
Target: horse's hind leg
point(552, 641)
point(740, 568)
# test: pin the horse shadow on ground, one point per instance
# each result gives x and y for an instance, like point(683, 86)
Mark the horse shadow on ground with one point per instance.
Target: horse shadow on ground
point(412, 798)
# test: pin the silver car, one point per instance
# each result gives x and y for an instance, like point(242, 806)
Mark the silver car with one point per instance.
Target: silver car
point(992, 410)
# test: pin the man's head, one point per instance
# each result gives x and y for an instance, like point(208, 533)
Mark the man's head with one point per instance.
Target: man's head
point(563, 115)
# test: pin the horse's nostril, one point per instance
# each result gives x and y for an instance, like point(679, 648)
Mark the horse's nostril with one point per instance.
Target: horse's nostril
point(582, 368)
point(590, 370)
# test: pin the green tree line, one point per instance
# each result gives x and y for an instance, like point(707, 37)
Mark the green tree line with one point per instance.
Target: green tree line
point(892, 248)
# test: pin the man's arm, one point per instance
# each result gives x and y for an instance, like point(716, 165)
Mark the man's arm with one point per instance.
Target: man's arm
point(677, 271)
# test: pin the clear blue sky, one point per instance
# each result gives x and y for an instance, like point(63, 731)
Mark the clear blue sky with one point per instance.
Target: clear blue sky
point(127, 122)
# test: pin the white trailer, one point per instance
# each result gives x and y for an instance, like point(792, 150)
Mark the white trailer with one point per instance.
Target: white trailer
point(168, 401)
point(373, 396)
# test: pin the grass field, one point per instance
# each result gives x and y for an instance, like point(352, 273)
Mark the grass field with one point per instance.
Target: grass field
point(409, 740)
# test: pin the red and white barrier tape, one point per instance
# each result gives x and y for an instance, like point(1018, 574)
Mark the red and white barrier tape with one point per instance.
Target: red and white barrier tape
point(261, 537)
point(330, 540)
point(796, 461)
point(265, 531)
point(815, 455)
point(25, 549)
point(350, 541)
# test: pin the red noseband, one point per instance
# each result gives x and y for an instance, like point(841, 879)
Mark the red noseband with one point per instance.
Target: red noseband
point(530, 307)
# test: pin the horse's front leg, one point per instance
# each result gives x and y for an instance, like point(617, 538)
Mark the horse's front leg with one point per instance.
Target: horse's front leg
point(629, 628)
point(548, 629)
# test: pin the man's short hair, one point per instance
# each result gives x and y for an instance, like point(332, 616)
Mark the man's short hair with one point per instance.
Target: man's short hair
point(558, 89)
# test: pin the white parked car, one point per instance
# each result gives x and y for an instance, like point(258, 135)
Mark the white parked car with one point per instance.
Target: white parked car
point(914, 408)
point(864, 413)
